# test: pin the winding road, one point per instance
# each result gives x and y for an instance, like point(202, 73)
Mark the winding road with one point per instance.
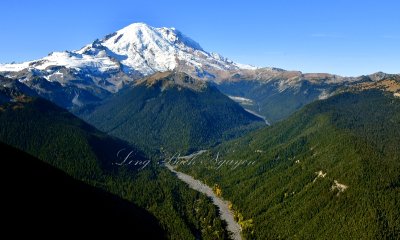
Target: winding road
point(225, 212)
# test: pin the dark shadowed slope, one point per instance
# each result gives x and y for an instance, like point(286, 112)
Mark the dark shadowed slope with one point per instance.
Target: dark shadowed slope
point(42, 200)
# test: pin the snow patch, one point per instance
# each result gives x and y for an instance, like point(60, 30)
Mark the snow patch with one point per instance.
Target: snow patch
point(245, 66)
point(14, 67)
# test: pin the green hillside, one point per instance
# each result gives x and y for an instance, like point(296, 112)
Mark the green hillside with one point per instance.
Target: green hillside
point(55, 136)
point(330, 171)
point(173, 112)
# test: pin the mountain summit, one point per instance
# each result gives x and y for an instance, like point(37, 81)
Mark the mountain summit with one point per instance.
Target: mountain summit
point(135, 51)
point(145, 49)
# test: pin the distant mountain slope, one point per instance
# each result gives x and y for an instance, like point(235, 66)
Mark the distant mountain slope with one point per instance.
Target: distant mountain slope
point(37, 197)
point(276, 94)
point(172, 111)
point(330, 171)
point(55, 136)
point(64, 95)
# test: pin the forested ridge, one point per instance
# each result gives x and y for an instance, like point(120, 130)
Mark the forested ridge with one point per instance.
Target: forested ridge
point(55, 136)
point(330, 171)
point(165, 116)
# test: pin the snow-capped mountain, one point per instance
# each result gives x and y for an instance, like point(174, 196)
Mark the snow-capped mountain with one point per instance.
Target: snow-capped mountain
point(147, 50)
point(72, 79)
point(132, 52)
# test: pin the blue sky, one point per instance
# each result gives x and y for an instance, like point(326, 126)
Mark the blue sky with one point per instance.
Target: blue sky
point(337, 36)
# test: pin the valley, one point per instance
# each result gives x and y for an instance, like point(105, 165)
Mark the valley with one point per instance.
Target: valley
point(290, 155)
point(223, 206)
point(60, 139)
point(322, 163)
